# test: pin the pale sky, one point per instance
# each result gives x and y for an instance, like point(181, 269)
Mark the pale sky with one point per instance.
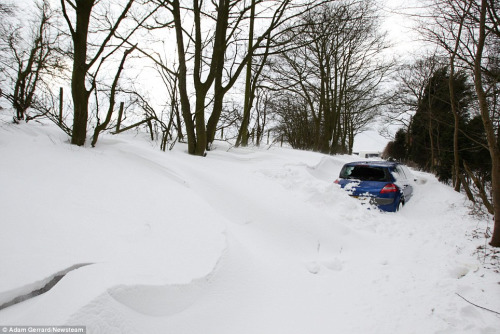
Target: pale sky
point(401, 27)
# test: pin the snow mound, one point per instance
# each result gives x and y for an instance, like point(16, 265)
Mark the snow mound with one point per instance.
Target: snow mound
point(242, 241)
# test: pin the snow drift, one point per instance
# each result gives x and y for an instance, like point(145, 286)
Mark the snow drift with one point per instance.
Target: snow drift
point(242, 241)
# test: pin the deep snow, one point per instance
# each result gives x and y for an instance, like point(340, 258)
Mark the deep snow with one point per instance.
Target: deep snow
point(241, 241)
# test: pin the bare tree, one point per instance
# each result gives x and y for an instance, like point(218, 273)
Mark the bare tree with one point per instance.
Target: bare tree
point(174, 115)
point(336, 70)
point(262, 106)
point(212, 54)
point(293, 118)
point(410, 94)
point(79, 26)
point(30, 57)
point(489, 127)
point(243, 133)
point(447, 30)
point(168, 118)
point(469, 32)
point(112, 100)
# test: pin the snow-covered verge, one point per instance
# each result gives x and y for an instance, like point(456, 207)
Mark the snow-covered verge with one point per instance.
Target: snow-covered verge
point(241, 241)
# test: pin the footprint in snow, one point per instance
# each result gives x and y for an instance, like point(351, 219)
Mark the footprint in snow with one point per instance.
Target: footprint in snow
point(315, 267)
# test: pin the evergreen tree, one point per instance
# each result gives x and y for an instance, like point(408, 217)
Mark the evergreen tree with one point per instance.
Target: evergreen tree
point(431, 132)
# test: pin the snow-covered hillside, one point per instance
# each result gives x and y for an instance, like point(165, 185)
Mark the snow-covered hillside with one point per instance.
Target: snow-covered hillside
point(242, 241)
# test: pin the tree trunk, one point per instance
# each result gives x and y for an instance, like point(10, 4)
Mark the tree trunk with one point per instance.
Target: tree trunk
point(201, 131)
point(219, 92)
point(243, 133)
point(495, 182)
point(456, 157)
point(493, 145)
point(219, 89)
point(102, 126)
point(431, 138)
point(78, 90)
point(185, 104)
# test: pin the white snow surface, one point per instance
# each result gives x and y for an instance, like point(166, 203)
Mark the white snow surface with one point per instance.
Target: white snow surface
point(247, 240)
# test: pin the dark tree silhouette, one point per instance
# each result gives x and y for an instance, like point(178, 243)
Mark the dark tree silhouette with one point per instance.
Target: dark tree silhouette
point(82, 61)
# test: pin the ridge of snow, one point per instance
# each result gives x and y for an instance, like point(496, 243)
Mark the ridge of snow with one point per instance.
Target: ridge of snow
point(242, 241)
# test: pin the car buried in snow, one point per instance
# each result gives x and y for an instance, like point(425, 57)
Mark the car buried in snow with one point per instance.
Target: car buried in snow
point(387, 185)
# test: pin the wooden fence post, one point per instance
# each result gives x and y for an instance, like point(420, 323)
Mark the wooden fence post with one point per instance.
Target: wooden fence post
point(60, 105)
point(150, 126)
point(120, 114)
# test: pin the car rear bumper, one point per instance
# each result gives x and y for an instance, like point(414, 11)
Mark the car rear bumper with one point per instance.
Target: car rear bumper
point(384, 204)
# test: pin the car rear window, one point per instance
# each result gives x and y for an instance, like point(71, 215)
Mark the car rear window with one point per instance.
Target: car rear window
point(365, 173)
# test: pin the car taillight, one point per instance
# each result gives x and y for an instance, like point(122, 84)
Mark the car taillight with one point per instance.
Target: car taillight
point(389, 188)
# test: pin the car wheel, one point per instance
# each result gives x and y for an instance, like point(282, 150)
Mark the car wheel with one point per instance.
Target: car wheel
point(400, 204)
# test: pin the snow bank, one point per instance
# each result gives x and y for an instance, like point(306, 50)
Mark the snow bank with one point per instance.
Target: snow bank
point(242, 241)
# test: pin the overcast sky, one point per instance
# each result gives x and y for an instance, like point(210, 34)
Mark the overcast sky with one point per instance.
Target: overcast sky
point(400, 26)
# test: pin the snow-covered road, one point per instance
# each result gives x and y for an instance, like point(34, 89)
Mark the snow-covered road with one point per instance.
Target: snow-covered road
point(242, 241)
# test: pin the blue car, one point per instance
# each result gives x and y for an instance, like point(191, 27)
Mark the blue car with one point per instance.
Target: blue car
point(388, 185)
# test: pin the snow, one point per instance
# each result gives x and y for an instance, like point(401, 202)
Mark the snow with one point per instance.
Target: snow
point(369, 141)
point(248, 240)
